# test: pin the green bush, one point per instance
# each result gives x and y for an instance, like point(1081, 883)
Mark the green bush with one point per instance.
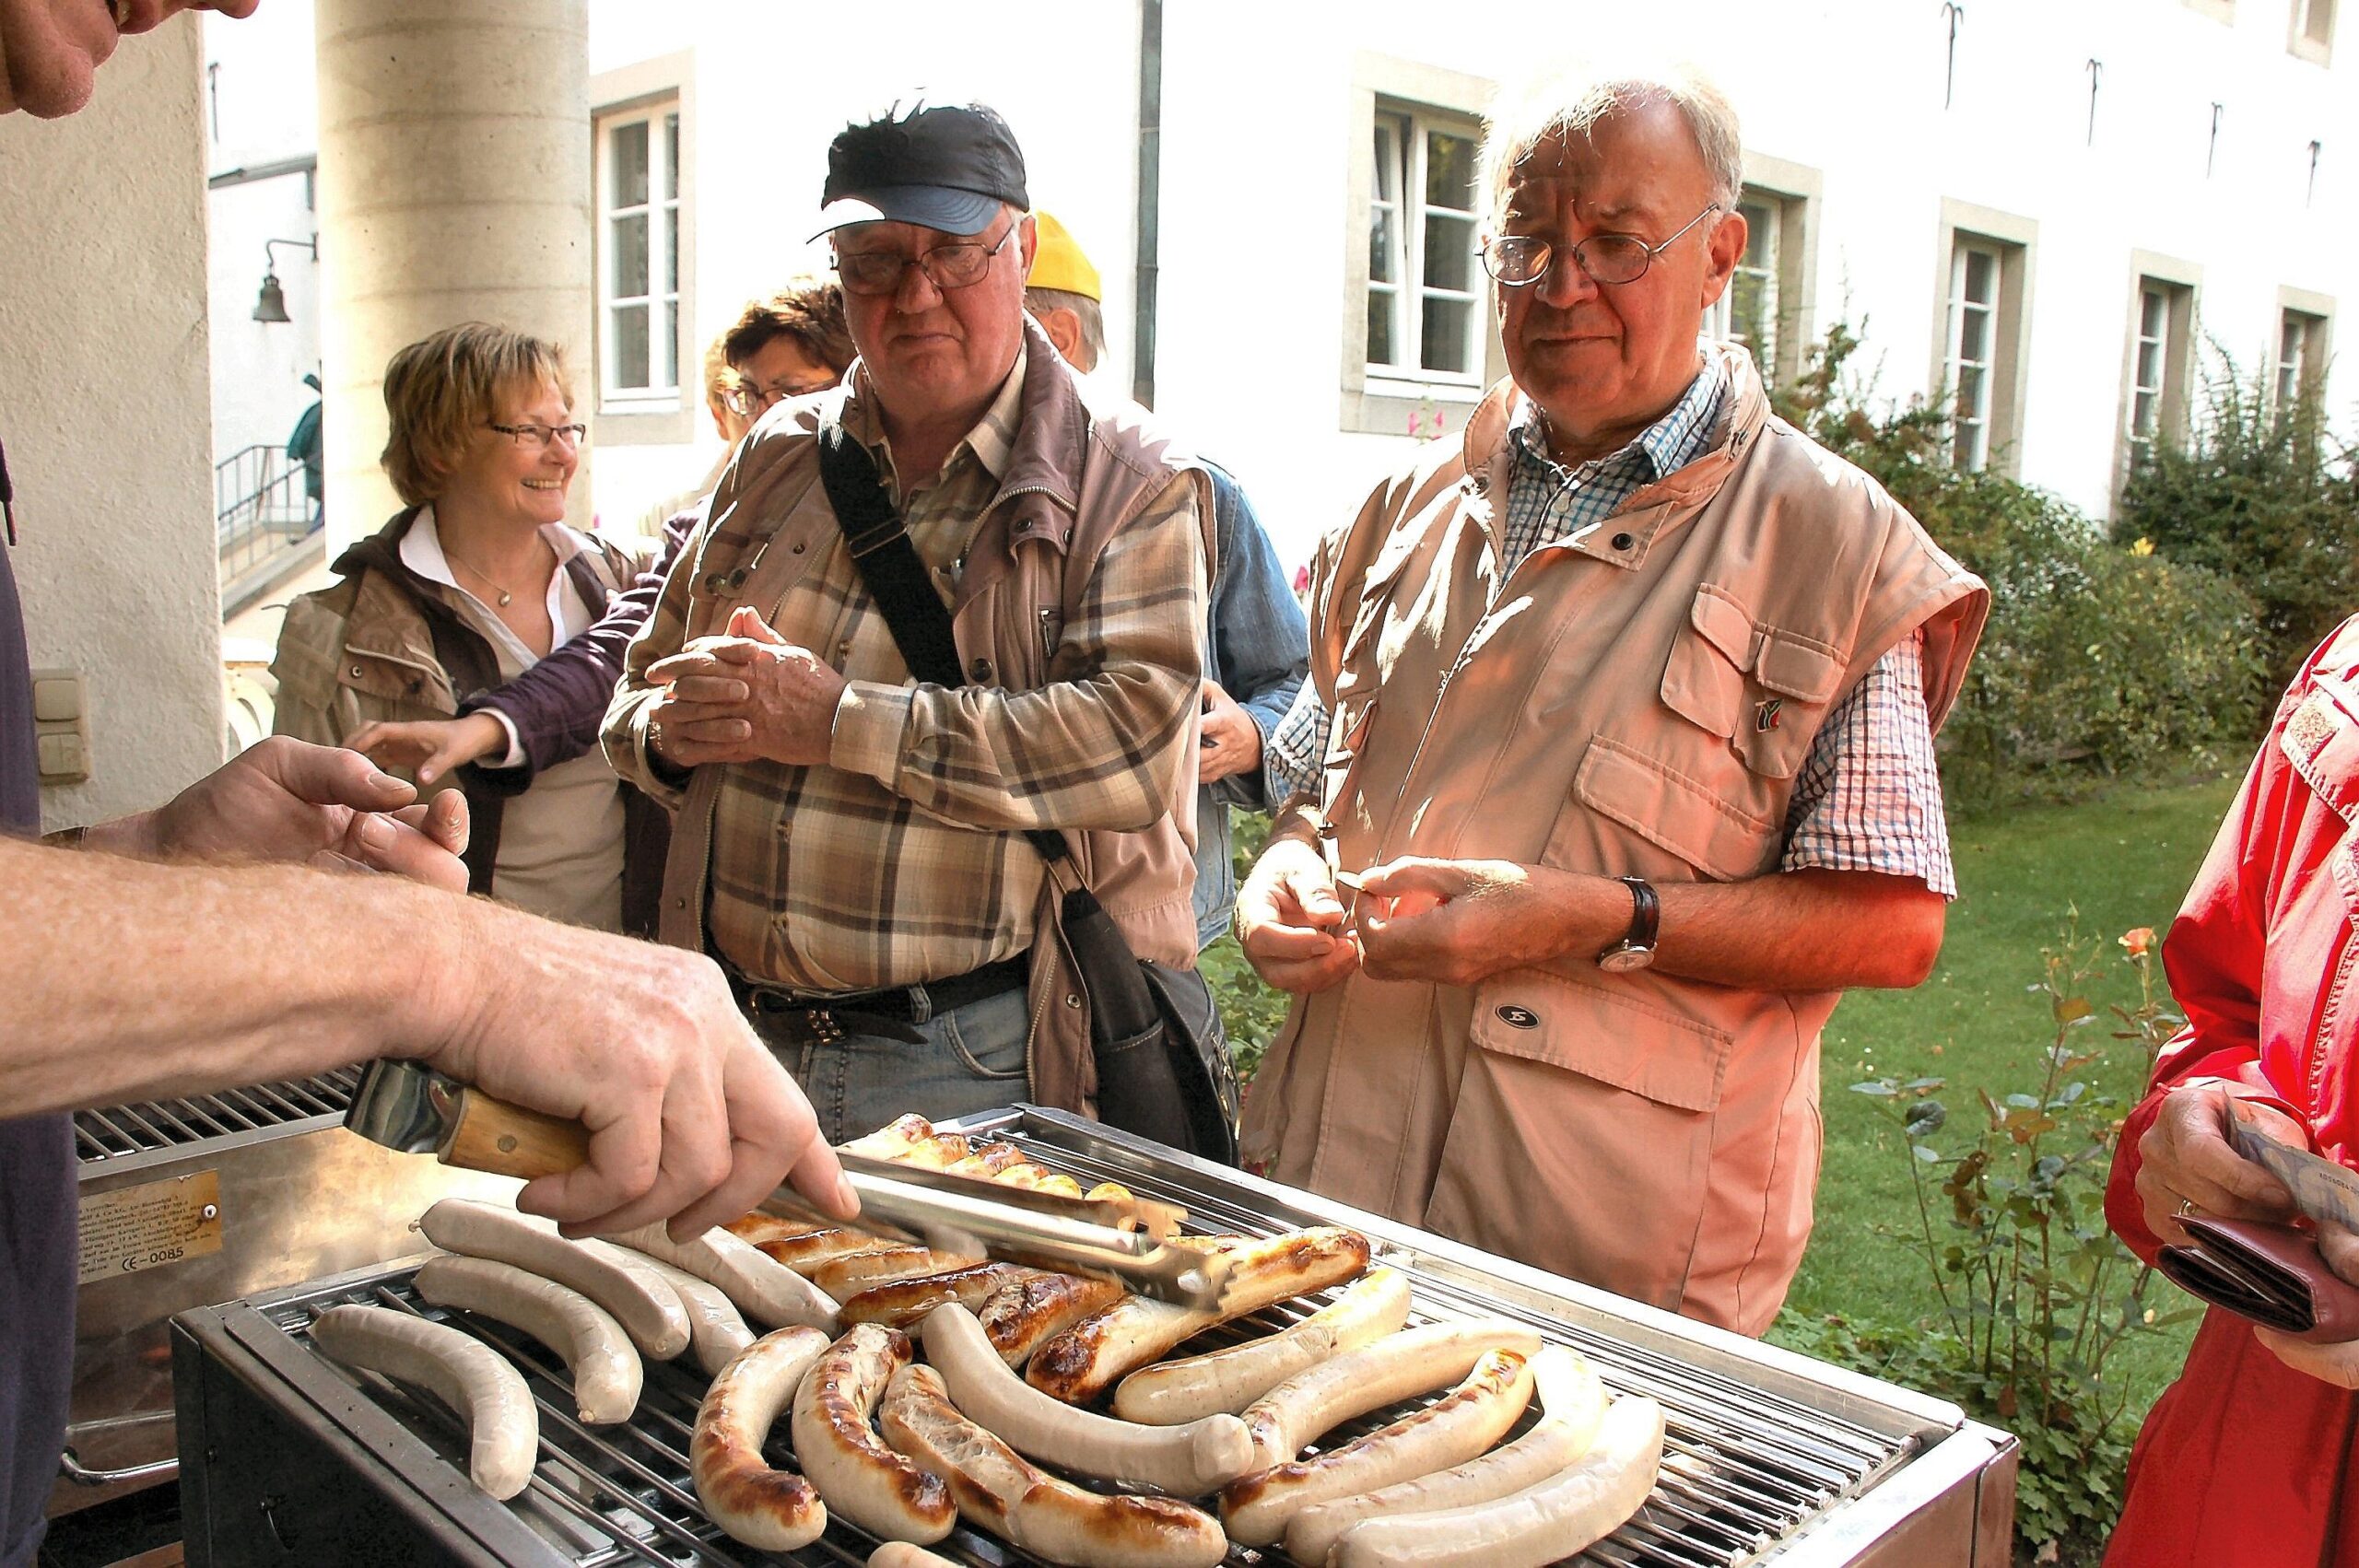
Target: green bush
point(2099, 659)
point(2255, 493)
point(2035, 1293)
point(1251, 1012)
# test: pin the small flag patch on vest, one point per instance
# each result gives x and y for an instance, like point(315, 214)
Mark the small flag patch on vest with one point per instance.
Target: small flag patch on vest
point(1764, 714)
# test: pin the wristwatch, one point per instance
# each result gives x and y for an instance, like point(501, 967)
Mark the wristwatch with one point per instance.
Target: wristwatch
point(1637, 948)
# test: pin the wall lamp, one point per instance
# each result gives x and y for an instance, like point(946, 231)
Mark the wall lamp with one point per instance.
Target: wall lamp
point(271, 306)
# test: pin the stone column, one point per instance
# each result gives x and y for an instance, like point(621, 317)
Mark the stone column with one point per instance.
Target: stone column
point(454, 185)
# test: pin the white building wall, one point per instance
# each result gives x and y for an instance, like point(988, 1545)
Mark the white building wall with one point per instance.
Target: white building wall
point(1260, 128)
point(104, 407)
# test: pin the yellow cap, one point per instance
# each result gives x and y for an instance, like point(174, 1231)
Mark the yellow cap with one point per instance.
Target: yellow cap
point(1057, 261)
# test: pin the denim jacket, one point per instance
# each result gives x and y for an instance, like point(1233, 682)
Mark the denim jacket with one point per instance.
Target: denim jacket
point(1258, 648)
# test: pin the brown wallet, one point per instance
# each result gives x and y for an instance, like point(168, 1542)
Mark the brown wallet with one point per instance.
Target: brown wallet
point(2272, 1274)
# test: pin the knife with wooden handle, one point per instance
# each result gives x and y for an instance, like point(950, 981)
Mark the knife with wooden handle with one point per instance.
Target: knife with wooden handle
point(408, 1107)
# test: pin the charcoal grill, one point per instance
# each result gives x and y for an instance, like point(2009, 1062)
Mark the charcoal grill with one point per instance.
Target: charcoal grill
point(1770, 1456)
point(205, 1197)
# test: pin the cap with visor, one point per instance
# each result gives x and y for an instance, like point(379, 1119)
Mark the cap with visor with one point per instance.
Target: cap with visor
point(949, 167)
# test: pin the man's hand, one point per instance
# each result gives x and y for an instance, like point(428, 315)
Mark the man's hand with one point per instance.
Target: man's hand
point(748, 694)
point(688, 1114)
point(2185, 1156)
point(430, 747)
point(1290, 923)
point(1455, 922)
point(283, 800)
point(1231, 741)
point(2336, 1364)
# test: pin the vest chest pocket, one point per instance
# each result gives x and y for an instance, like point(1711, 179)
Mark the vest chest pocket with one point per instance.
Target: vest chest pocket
point(1762, 689)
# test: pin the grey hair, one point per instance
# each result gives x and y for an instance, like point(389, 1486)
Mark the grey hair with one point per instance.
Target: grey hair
point(1088, 310)
point(1572, 103)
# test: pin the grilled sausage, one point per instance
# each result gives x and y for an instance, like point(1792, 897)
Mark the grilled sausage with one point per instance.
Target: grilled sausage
point(1574, 1399)
point(1033, 1311)
point(860, 1478)
point(1187, 1461)
point(912, 1141)
point(806, 1252)
point(900, 1304)
point(1086, 1360)
point(986, 1160)
point(503, 1429)
point(717, 1330)
point(776, 1510)
point(902, 1555)
point(1196, 1386)
point(1256, 1509)
point(1037, 1512)
point(855, 1273)
point(1539, 1524)
point(649, 1311)
point(766, 1290)
point(1415, 1361)
point(606, 1373)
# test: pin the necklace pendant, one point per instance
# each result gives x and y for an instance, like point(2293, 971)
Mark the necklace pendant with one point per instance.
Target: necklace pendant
point(506, 599)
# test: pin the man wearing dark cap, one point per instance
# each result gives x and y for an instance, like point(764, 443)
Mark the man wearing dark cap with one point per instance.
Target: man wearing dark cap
point(851, 844)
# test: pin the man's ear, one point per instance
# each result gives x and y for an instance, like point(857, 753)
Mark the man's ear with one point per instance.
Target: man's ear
point(1030, 240)
point(1064, 327)
point(1722, 251)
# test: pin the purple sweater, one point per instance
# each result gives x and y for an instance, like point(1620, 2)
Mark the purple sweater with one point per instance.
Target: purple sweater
point(557, 704)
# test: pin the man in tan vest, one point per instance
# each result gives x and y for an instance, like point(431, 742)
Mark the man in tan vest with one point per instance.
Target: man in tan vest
point(1620, 737)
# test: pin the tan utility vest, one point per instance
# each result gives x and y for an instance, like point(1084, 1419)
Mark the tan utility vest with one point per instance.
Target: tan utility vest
point(1079, 472)
point(1633, 702)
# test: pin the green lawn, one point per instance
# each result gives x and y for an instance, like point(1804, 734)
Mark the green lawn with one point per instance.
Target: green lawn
point(2122, 861)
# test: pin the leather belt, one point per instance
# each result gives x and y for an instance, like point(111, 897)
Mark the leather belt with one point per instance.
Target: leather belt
point(831, 1017)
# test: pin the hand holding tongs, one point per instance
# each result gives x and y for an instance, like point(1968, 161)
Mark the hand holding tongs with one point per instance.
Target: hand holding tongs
point(408, 1107)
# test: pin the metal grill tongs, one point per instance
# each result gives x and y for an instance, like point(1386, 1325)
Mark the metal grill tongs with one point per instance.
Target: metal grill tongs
point(1133, 1242)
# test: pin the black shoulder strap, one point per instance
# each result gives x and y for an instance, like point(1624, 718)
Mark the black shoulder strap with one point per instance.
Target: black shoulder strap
point(895, 575)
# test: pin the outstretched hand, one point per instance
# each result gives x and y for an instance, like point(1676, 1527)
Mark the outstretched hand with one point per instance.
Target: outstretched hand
point(286, 799)
point(429, 747)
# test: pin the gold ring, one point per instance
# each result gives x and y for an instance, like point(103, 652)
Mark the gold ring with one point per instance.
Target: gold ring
point(2186, 1208)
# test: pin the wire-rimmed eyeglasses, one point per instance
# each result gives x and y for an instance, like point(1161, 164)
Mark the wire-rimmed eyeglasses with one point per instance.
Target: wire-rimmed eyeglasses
point(745, 400)
point(1517, 260)
point(959, 264)
point(536, 436)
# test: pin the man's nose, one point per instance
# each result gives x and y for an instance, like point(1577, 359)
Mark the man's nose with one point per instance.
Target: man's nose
point(917, 292)
point(1566, 283)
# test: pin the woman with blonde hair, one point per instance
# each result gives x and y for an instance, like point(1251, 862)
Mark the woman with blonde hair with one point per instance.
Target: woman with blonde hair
point(473, 582)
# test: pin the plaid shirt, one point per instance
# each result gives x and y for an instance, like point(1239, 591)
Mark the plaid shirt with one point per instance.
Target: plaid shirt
point(1869, 795)
point(899, 862)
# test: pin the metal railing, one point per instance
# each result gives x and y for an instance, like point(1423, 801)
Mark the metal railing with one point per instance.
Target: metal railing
point(260, 508)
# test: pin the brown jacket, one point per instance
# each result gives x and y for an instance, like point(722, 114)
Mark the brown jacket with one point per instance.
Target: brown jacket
point(1636, 702)
point(384, 644)
point(1079, 472)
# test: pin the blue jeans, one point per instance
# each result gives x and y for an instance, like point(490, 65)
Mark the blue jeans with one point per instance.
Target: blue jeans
point(969, 1060)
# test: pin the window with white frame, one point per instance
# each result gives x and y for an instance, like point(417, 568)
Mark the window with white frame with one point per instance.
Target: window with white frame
point(2160, 335)
point(2301, 344)
point(1425, 317)
point(639, 265)
point(2314, 22)
point(1975, 272)
point(1747, 310)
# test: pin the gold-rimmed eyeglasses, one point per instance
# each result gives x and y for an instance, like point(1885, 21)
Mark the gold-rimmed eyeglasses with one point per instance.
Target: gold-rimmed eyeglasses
point(535, 438)
point(959, 264)
point(1517, 259)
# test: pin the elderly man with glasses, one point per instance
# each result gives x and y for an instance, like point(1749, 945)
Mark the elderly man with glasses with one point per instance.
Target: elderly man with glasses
point(1617, 765)
point(858, 849)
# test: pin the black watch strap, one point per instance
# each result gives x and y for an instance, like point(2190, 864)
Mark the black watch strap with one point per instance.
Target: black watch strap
point(1646, 912)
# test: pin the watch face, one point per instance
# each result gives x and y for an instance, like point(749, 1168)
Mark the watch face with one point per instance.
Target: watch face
point(1628, 957)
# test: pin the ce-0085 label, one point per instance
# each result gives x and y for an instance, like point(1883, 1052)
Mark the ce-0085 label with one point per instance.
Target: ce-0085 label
point(150, 1226)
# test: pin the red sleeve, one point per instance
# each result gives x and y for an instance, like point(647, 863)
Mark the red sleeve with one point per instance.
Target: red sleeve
point(2213, 958)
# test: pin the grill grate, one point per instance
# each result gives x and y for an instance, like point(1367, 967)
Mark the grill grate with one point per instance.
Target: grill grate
point(149, 1126)
point(1743, 1467)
